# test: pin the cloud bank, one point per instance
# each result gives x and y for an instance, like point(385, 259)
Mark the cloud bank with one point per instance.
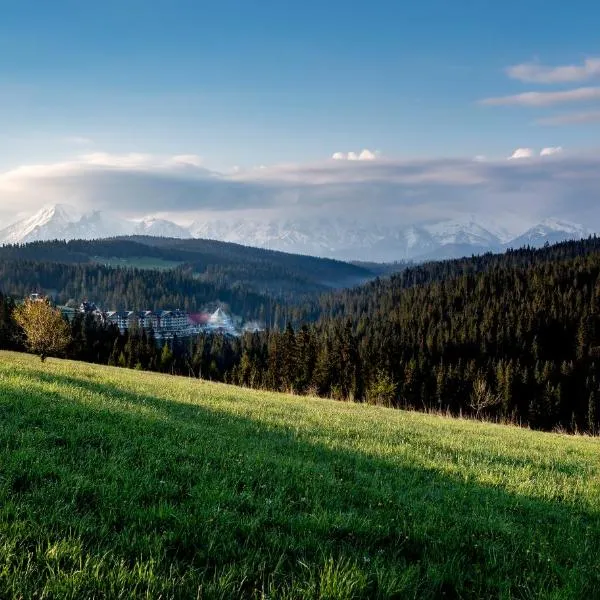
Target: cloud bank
point(395, 191)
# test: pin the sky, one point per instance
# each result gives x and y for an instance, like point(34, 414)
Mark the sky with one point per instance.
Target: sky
point(221, 101)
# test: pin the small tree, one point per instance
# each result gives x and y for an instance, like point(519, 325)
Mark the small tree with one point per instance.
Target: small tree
point(482, 397)
point(382, 390)
point(45, 329)
point(166, 359)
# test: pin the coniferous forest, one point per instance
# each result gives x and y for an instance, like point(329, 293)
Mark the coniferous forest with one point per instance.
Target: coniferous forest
point(512, 337)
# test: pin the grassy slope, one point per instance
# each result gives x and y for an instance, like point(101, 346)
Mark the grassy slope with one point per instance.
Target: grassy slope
point(117, 482)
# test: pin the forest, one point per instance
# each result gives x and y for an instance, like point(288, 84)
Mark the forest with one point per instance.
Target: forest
point(512, 338)
point(220, 264)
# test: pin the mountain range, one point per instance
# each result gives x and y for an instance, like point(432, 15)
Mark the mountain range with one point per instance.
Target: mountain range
point(332, 238)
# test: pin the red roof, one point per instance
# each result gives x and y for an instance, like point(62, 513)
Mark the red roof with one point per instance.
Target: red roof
point(199, 318)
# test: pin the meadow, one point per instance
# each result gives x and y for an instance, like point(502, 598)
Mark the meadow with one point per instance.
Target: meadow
point(116, 483)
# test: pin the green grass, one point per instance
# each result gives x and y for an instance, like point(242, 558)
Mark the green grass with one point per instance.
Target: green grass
point(118, 484)
point(137, 262)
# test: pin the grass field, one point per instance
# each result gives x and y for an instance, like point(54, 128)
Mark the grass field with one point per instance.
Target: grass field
point(118, 484)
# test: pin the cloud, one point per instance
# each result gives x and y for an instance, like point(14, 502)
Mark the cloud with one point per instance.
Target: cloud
point(367, 155)
point(521, 153)
point(551, 150)
point(583, 94)
point(400, 192)
point(364, 155)
point(571, 118)
point(534, 72)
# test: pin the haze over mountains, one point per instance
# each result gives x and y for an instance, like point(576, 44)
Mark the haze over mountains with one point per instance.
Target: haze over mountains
point(336, 238)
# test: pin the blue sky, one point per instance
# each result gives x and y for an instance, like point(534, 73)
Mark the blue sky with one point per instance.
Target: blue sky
point(247, 83)
point(137, 106)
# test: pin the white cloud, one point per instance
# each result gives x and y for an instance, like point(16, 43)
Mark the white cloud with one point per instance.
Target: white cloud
point(551, 150)
point(119, 161)
point(534, 72)
point(583, 94)
point(399, 191)
point(521, 153)
point(365, 154)
point(571, 118)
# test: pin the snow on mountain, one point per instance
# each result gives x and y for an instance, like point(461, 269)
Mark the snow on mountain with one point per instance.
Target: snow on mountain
point(336, 238)
point(48, 223)
point(551, 231)
point(64, 222)
point(161, 228)
point(96, 225)
point(317, 237)
point(459, 231)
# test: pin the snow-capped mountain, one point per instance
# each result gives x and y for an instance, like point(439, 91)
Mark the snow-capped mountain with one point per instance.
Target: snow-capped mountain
point(551, 231)
point(61, 221)
point(49, 223)
point(161, 228)
point(323, 237)
point(96, 225)
point(459, 232)
point(336, 238)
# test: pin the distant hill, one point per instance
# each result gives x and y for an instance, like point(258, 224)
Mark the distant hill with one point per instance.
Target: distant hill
point(264, 271)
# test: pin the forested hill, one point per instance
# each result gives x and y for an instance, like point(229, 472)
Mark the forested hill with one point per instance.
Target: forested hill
point(513, 336)
point(220, 263)
point(133, 289)
point(368, 298)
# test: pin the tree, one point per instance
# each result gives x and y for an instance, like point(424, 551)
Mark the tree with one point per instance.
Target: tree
point(482, 397)
point(382, 390)
point(166, 359)
point(45, 329)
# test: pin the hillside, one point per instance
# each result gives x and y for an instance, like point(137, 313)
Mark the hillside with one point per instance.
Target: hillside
point(224, 264)
point(120, 483)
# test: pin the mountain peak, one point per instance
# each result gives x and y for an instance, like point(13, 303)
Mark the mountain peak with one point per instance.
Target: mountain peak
point(555, 224)
point(58, 211)
point(334, 238)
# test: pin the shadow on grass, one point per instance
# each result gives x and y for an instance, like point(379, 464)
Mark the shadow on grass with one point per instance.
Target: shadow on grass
point(201, 491)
